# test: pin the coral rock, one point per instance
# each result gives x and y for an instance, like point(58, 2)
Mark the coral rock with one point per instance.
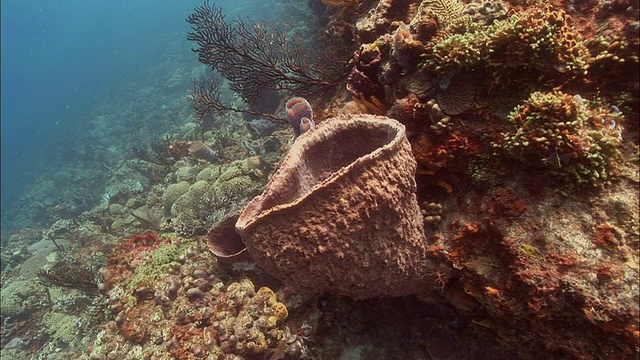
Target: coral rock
point(341, 213)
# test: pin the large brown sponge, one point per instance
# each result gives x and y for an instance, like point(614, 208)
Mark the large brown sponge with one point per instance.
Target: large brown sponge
point(341, 213)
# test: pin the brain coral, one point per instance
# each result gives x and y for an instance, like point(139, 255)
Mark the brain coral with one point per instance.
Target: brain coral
point(219, 193)
point(444, 11)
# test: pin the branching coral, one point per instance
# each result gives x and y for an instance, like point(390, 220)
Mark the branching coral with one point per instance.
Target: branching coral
point(575, 140)
point(615, 62)
point(539, 39)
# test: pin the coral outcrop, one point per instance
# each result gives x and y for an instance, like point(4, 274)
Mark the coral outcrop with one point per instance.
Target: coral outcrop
point(172, 193)
point(341, 214)
point(577, 142)
point(539, 39)
point(218, 191)
point(190, 313)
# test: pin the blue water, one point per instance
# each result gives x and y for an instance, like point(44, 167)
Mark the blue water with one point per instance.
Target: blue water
point(64, 63)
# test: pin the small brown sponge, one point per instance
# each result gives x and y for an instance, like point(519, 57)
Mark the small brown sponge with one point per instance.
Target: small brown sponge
point(341, 214)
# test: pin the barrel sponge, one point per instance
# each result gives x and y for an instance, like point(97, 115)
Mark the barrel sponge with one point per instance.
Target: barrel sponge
point(340, 214)
point(172, 193)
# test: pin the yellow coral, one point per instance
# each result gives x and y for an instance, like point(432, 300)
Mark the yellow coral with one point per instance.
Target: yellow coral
point(280, 311)
point(266, 293)
point(267, 297)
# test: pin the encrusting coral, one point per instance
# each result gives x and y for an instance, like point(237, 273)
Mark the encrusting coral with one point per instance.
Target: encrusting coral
point(341, 214)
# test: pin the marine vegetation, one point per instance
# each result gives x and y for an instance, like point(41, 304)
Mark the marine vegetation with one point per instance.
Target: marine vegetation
point(70, 275)
point(255, 57)
point(538, 42)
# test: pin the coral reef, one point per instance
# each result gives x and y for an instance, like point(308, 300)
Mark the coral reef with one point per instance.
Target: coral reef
point(172, 193)
point(444, 11)
point(502, 197)
point(561, 287)
point(219, 192)
point(16, 296)
point(485, 12)
point(344, 221)
point(62, 327)
point(191, 313)
point(455, 94)
point(344, 6)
